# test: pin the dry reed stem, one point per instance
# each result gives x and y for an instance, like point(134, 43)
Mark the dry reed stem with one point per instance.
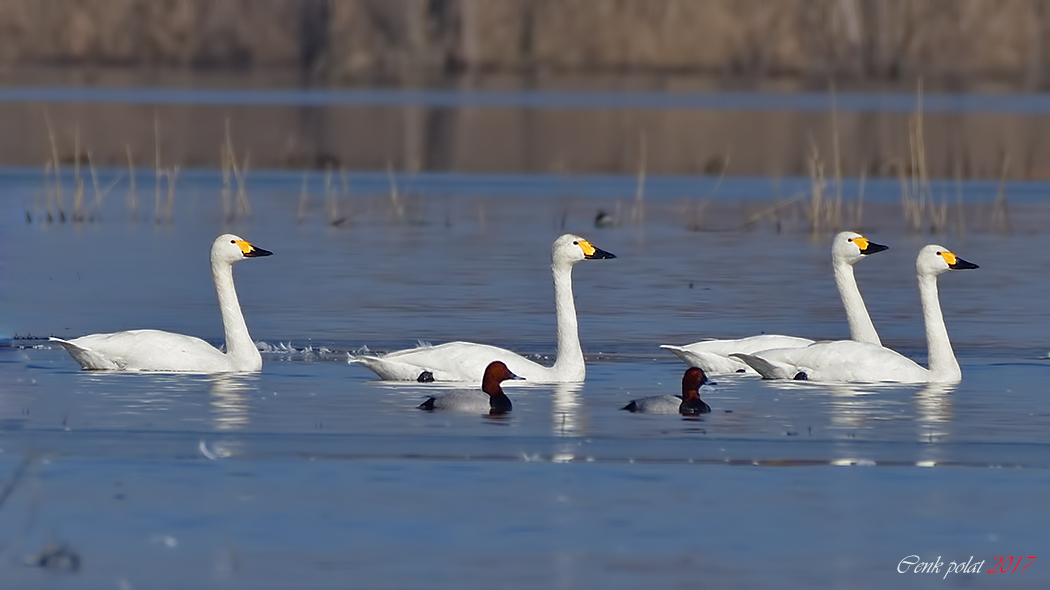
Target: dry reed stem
point(48, 196)
point(836, 147)
point(960, 219)
point(78, 182)
point(334, 218)
point(240, 176)
point(701, 205)
point(821, 213)
point(300, 211)
point(395, 198)
point(132, 197)
point(638, 208)
point(169, 208)
point(59, 204)
point(1000, 218)
point(156, 167)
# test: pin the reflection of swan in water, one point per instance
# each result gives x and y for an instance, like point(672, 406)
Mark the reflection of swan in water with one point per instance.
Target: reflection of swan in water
point(229, 400)
point(567, 410)
point(933, 410)
point(853, 405)
point(849, 407)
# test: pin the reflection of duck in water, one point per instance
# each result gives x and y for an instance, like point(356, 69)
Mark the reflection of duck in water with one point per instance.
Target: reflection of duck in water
point(689, 404)
point(490, 400)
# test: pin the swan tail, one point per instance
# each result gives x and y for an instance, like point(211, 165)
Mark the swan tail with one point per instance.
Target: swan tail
point(87, 358)
point(388, 370)
point(711, 363)
point(767, 369)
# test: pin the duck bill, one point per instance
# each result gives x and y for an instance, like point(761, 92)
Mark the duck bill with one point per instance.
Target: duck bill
point(961, 264)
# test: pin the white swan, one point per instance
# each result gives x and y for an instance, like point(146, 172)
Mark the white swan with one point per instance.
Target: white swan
point(848, 248)
point(689, 404)
point(490, 400)
point(466, 361)
point(849, 361)
point(154, 350)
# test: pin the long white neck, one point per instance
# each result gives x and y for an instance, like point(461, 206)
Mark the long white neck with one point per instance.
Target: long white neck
point(569, 365)
point(239, 346)
point(860, 327)
point(943, 366)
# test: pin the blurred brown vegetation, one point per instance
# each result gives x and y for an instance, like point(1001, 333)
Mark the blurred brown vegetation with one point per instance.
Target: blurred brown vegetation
point(950, 43)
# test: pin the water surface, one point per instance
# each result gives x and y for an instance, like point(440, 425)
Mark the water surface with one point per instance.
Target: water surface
point(314, 474)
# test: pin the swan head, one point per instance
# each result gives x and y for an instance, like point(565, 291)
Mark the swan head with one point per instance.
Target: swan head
point(934, 260)
point(229, 248)
point(570, 249)
point(851, 247)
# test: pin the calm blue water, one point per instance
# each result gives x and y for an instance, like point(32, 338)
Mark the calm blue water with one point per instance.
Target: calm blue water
point(858, 102)
point(314, 474)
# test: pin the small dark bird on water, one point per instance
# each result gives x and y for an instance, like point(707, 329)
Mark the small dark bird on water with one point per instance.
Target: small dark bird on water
point(689, 404)
point(490, 399)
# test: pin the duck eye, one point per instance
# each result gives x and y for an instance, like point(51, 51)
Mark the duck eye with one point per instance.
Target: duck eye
point(233, 241)
point(576, 243)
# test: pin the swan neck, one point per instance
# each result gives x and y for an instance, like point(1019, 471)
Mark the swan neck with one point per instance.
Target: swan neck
point(569, 365)
point(239, 346)
point(860, 327)
point(943, 365)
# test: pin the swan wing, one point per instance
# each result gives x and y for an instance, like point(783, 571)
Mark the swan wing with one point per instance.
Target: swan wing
point(146, 350)
point(452, 361)
point(845, 361)
point(766, 368)
point(88, 358)
point(711, 363)
point(714, 356)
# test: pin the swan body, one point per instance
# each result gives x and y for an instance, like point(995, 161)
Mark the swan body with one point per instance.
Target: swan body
point(466, 361)
point(847, 361)
point(847, 249)
point(688, 404)
point(155, 350)
point(490, 400)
